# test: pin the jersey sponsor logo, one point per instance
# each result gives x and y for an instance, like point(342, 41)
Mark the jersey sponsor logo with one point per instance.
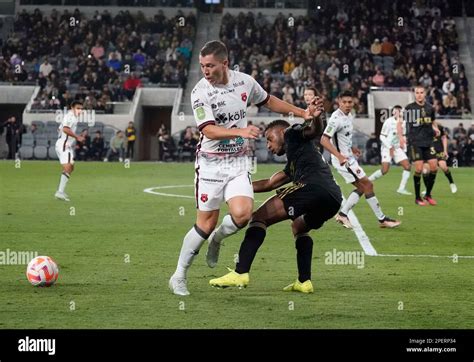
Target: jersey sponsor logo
point(197, 103)
point(244, 96)
point(204, 197)
point(238, 84)
point(210, 94)
point(200, 113)
point(228, 91)
point(219, 104)
point(223, 118)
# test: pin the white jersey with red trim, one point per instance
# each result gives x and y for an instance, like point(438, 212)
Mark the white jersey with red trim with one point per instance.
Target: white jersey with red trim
point(225, 106)
point(339, 129)
point(69, 120)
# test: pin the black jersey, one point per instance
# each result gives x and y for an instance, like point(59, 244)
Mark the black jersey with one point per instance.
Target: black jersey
point(419, 124)
point(437, 142)
point(305, 164)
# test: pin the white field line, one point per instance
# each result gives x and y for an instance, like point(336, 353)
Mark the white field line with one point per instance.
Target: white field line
point(358, 230)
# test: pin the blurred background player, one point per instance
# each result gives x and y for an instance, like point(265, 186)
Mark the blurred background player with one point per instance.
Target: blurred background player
point(393, 144)
point(313, 199)
point(64, 147)
point(421, 129)
point(309, 94)
point(219, 102)
point(337, 139)
point(440, 144)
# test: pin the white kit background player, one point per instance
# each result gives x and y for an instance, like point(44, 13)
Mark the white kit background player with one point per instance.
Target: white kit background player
point(64, 146)
point(393, 145)
point(337, 139)
point(219, 102)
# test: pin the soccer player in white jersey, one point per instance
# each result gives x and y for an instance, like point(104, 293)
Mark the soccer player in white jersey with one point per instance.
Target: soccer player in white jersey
point(337, 139)
point(393, 145)
point(219, 102)
point(64, 146)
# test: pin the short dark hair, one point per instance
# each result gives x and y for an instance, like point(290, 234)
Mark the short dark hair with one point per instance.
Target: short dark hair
point(397, 106)
point(216, 48)
point(419, 85)
point(346, 93)
point(316, 93)
point(277, 123)
point(75, 103)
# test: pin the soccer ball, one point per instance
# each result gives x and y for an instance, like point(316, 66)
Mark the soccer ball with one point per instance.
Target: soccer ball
point(42, 271)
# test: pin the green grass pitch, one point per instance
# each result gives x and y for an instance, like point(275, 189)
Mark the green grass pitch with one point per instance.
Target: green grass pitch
point(115, 221)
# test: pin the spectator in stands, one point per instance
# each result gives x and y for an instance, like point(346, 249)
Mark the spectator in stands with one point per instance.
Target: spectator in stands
point(97, 146)
point(289, 65)
point(450, 104)
point(83, 148)
point(470, 132)
point(459, 131)
point(165, 144)
point(131, 134)
point(116, 147)
point(130, 85)
point(372, 150)
point(187, 142)
point(333, 72)
point(33, 130)
point(387, 47)
point(376, 47)
point(448, 86)
point(45, 68)
point(378, 79)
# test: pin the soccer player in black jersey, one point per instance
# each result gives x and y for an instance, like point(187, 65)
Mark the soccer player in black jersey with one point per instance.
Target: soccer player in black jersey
point(313, 198)
point(440, 144)
point(421, 128)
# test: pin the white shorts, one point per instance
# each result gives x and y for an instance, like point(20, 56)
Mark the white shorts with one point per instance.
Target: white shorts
point(351, 171)
point(398, 155)
point(65, 154)
point(215, 183)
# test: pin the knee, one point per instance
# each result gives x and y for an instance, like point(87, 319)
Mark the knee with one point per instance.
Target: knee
point(368, 186)
point(242, 217)
point(207, 226)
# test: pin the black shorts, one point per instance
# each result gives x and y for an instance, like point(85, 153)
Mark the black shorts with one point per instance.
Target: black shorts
point(418, 153)
point(315, 203)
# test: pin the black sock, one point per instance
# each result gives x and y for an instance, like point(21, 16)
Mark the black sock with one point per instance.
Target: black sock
point(417, 180)
point(254, 237)
point(431, 183)
point(449, 176)
point(304, 253)
point(426, 179)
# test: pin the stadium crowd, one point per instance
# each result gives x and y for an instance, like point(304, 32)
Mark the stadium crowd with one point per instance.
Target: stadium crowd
point(96, 60)
point(334, 49)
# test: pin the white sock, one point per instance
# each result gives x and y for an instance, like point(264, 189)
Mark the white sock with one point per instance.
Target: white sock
point(226, 228)
point(191, 244)
point(375, 206)
point(350, 202)
point(63, 181)
point(405, 177)
point(377, 174)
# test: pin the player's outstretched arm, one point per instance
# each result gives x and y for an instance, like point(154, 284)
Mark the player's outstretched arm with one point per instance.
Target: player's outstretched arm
point(214, 132)
point(278, 179)
point(278, 106)
point(70, 133)
point(315, 126)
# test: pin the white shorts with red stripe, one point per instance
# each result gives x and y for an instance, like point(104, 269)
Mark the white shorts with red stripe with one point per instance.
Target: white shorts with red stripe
point(350, 171)
point(219, 180)
point(65, 153)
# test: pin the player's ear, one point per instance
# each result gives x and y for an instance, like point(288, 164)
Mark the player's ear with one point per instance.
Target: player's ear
point(225, 62)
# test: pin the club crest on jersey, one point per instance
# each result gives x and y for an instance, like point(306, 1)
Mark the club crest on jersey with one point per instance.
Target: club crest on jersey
point(204, 197)
point(244, 96)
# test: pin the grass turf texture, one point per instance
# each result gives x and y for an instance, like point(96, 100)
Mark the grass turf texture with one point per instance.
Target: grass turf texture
point(115, 218)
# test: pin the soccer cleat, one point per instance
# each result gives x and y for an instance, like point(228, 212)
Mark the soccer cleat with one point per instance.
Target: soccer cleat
point(454, 188)
point(178, 285)
point(404, 192)
point(430, 200)
point(389, 223)
point(344, 221)
point(61, 196)
point(232, 279)
point(420, 202)
point(212, 255)
point(306, 287)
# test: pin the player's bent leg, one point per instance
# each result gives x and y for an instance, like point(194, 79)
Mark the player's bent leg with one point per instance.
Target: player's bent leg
point(405, 176)
point(60, 194)
point(444, 166)
point(205, 222)
point(240, 211)
point(351, 201)
point(271, 212)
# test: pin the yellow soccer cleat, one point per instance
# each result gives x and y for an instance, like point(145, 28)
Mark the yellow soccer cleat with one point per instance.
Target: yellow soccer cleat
point(306, 287)
point(231, 279)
